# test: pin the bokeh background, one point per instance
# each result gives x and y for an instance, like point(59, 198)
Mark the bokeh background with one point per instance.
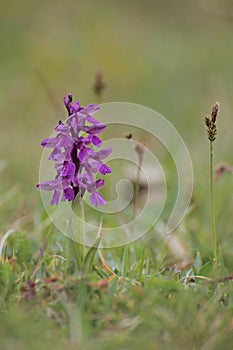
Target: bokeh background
point(173, 56)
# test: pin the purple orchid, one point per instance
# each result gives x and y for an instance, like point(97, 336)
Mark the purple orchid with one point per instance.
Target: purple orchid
point(75, 157)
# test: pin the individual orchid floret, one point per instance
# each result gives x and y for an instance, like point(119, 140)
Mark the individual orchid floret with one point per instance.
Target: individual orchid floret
point(73, 151)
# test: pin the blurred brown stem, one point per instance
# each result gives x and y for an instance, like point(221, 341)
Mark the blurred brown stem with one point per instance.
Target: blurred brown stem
point(47, 89)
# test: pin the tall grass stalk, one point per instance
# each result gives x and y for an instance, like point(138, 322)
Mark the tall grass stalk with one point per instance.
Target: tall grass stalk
point(214, 234)
point(210, 122)
point(139, 149)
point(137, 186)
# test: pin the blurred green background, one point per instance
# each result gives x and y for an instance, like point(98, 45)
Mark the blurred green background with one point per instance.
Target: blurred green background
point(173, 56)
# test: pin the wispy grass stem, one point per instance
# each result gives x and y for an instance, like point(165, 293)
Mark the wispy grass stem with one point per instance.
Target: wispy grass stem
point(214, 234)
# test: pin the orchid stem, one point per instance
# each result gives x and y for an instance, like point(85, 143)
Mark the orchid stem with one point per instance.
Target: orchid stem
point(76, 232)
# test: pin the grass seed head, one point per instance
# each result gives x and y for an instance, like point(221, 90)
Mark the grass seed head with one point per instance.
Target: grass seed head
point(210, 122)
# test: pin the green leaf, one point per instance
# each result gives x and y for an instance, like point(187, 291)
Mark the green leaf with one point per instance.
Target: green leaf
point(23, 249)
point(206, 269)
point(198, 261)
point(5, 279)
point(89, 257)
